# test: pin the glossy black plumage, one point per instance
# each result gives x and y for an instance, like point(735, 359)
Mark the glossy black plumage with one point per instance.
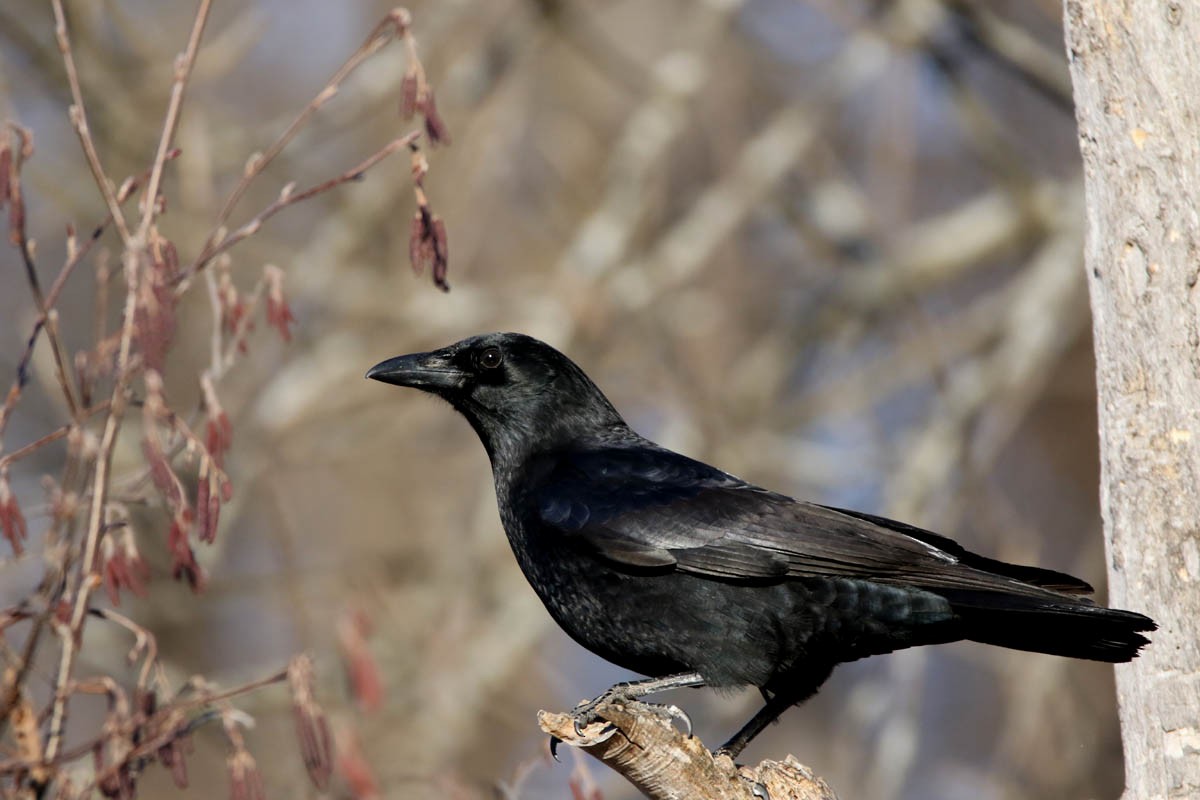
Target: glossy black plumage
point(668, 566)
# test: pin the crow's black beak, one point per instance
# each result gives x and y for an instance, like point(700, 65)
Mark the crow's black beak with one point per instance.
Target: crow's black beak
point(432, 372)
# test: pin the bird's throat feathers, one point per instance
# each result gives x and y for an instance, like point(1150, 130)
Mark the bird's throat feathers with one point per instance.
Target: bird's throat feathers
point(514, 432)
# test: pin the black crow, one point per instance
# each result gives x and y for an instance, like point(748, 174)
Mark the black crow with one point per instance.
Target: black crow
point(674, 569)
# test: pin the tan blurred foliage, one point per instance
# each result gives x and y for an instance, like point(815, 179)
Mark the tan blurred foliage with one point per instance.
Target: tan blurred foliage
point(832, 247)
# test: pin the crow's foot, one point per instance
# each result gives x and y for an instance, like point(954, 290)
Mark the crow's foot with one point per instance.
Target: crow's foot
point(585, 713)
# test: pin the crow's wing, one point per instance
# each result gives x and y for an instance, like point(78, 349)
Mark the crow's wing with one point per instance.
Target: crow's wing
point(643, 508)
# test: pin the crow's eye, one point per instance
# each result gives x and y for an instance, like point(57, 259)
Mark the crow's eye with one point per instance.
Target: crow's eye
point(490, 358)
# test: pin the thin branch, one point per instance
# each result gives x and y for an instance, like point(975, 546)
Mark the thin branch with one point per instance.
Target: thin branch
point(79, 121)
point(286, 198)
point(53, 436)
point(394, 24)
point(144, 642)
point(183, 71)
point(100, 486)
point(47, 319)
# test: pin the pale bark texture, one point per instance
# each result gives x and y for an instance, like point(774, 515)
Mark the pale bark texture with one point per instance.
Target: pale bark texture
point(1135, 65)
point(666, 764)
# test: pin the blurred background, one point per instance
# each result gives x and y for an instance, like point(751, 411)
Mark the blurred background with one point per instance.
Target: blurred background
point(833, 247)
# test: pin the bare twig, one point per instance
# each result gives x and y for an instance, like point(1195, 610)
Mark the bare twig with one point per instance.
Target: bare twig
point(53, 436)
point(76, 253)
point(145, 644)
point(288, 197)
point(100, 485)
point(394, 24)
point(183, 71)
point(79, 121)
point(21, 149)
point(161, 733)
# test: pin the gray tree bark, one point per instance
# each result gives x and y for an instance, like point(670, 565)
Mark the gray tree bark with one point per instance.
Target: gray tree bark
point(1135, 65)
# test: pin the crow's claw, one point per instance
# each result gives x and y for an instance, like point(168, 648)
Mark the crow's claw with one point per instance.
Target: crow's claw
point(675, 713)
point(584, 740)
point(585, 713)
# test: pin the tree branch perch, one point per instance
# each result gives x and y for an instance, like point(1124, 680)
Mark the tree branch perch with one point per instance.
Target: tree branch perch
point(665, 763)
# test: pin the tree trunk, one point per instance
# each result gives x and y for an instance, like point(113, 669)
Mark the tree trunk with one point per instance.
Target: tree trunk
point(1135, 65)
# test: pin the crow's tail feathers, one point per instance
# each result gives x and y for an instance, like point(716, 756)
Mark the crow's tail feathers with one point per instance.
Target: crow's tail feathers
point(1072, 628)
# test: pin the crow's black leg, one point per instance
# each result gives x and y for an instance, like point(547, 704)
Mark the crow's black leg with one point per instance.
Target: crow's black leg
point(766, 715)
point(798, 686)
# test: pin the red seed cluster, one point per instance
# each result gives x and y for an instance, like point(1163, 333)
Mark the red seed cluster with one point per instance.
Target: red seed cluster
point(154, 314)
point(428, 247)
point(279, 313)
point(123, 567)
point(312, 727)
point(12, 521)
point(245, 779)
point(417, 97)
point(362, 670)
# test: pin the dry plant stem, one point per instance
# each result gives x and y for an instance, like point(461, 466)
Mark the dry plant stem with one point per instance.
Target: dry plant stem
point(183, 71)
point(663, 762)
point(79, 122)
point(46, 318)
point(144, 642)
point(53, 436)
point(150, 745)
point(394, 24)
point(75, 254)
point(74, 552)
point(87, 580)
point(13, 689)
point(45, 304)
point(287, 198)
point(223, 355)
point(216, 362)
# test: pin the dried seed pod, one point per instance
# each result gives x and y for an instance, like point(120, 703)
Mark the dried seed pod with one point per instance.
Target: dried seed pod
point(245, 779)
point(312, 728)
point(409, 87)
point(362, 670)
point(12, 521)
point(279, 313)
point(441, 254)
point(435, 126)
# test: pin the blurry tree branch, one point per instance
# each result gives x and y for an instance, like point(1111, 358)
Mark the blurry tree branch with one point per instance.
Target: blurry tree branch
point(1015, 49)
point(1041, 302)
point(664, 763)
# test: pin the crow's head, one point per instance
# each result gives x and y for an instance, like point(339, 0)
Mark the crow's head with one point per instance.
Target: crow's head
point(520, 394)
